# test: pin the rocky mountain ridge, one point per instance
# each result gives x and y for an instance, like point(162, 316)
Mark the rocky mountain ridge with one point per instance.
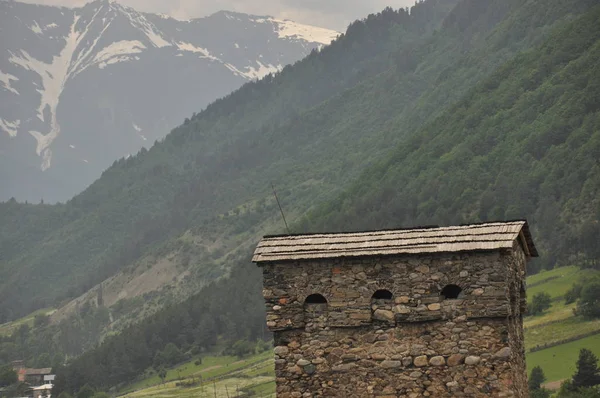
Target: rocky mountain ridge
point(83, 87)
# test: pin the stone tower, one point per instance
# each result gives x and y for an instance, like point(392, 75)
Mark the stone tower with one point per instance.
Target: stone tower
point(399, 313)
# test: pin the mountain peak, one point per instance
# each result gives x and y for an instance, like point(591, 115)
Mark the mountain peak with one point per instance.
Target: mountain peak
point(111, 64)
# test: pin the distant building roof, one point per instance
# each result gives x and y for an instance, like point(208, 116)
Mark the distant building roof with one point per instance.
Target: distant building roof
point(35, 372)
point(43, 387)
point(462, 238)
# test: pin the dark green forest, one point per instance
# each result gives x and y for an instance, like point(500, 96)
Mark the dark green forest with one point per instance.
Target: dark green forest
point(454, 112)
point(525, 143)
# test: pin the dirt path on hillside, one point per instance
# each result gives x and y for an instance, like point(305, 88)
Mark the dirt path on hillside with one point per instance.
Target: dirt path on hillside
point(553, 385)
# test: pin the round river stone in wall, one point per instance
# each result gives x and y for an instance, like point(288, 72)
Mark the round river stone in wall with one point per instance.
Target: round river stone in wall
point(455, 359)
point(437, 361)
point(421, 361)
point(472, 360)
point(503, 353)
point(281, 350)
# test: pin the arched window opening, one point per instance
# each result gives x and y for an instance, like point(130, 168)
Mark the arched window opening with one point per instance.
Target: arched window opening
point(451, 292)
point(382, 295)
point(315, 309)
point(315, 299)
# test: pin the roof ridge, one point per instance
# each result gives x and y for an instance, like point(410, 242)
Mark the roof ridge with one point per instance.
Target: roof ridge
point(427, 227)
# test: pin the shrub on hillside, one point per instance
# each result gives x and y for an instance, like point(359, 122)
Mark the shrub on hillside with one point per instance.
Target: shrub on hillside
point(573, 293)
point(540, 303)
point(589, 300)
point(169, 356)
point(7, 376)
point(241, 348)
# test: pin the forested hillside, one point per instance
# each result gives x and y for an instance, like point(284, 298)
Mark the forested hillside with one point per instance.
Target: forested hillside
point(310, 129)
point(458, 111)
point(212, 165)
point(523, 141)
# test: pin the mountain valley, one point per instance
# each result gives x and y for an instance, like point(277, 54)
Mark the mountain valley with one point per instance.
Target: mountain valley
point(455, 111)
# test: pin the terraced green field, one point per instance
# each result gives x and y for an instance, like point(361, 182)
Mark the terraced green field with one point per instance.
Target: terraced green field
point(217, 376)
point(556, 282)
point(558, 327)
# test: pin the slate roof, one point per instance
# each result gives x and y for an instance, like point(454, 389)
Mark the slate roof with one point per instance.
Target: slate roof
point(462, 238)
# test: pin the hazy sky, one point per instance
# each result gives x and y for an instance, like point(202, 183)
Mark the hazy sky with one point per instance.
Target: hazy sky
point(334, 14)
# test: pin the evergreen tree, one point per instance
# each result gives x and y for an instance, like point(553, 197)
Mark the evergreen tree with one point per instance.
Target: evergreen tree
point(535, 381)
point(587, 374)
point(536, 378)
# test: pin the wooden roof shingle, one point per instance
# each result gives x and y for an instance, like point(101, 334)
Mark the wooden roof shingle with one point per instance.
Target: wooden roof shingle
point(462, 238)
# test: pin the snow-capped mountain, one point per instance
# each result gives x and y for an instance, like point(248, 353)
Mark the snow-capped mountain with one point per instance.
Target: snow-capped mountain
point(82, 87)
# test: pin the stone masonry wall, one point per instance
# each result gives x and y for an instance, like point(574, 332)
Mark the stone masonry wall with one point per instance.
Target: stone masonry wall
point(416, 344)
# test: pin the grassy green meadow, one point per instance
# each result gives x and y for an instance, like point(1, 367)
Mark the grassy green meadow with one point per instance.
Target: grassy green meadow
point(559, 362)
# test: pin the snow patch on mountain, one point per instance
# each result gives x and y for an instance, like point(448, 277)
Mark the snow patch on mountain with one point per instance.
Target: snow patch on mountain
point(54, 77)
point(10, 127)
point(309, 33)
point(36, 28)
point(43, 147)
point(261, 71)
point(118, 52)
point(138, 130)
point(5, 79)
point(191, 48)
point(249, 72)
point(305, 32)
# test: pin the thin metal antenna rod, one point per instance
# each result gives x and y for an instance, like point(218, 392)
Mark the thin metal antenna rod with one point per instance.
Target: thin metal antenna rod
point(280, 209)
